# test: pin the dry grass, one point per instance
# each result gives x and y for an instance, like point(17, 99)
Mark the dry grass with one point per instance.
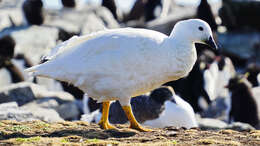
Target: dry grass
point(82, 133)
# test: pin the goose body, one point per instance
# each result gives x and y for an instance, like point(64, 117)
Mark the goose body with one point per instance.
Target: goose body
point(122, 63)
point(129, 61)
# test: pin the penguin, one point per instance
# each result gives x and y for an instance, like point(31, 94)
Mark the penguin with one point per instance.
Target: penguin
point(243, 105)
point(253, 71)
point(33, 12)
point(144, 9)
point(204, 12)
point(111, 5)
point(8, 69)
point(191, 88)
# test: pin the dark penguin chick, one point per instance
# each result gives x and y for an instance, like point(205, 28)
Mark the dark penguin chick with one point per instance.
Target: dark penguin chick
point(68, 3)
point(111, 5)
point(243, 105)
point(33, 11)
point(253, 71)
point(7, 45)
point(204, 12)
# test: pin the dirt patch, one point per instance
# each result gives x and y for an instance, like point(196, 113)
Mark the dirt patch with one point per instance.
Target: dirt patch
point(83, 133)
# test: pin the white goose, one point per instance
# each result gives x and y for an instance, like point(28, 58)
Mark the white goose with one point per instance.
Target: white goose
point(122, 63)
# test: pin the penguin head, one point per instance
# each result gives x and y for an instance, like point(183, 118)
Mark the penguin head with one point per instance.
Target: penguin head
point(162, 94)
point(238, 81)
point(7, 45)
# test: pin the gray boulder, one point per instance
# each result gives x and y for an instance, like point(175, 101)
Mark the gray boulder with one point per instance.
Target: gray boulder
point(11, 111)
point(238, 126)
point(211, 124)
point(34, 41)
point(84, 20)
point(214, 124)
point(26, 92)
point(218, 109)
point(69, 111)
point(10, 14)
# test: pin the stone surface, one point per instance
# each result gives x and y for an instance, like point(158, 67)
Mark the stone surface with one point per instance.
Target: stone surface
point(211, 124)
point(84, 20)
point(11, 111)
point(26, 92)
point(217, 109)
point(238, 126)
point(10, 14)
point(69, 111)
point(34, 41)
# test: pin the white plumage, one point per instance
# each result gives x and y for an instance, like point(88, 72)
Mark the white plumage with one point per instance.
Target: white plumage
point(122, 63)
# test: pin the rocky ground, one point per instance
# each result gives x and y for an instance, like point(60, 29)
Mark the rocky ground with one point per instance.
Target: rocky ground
point(82, 133)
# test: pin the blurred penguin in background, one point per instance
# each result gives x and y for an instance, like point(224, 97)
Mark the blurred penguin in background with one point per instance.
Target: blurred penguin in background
point(253, 71)
point(144, 9)
point(9, 73)
point(33, 12)
point(191, 88)
point(243, 105)
point(68, 3)
point(204, 12)
point(111, 5)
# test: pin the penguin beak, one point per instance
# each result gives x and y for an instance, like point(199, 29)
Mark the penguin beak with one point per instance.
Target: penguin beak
point(210, 42)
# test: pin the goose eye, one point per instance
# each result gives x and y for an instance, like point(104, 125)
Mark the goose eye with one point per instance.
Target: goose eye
point(201, 28)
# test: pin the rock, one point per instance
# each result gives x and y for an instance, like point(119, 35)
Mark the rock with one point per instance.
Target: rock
point(93, 24)
point(238, 126)
point(107, 17)
point(35, 41)
point(26, 92)
point(218, 109)
point(69, 111)
point(211, 124)
point(21, 95)
point(11, 111)
point(10, 14)
point(84, 20)
point(48, 115)
point(48, 103)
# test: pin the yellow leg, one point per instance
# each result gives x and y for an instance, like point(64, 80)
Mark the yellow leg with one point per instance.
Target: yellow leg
point(104, 123)
point(133, 123)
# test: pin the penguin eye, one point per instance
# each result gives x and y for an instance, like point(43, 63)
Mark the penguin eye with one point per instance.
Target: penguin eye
point(201, 28)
